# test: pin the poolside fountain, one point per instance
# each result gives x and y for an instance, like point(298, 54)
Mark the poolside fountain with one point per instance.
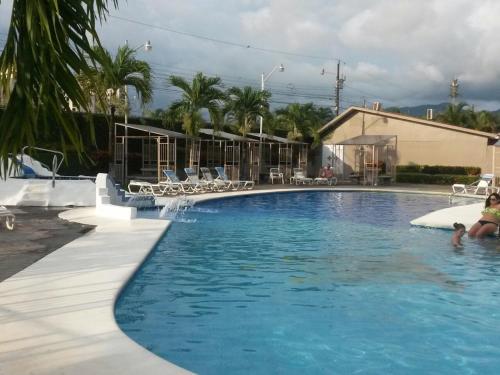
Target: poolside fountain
point(139, 201)
point(175, 207)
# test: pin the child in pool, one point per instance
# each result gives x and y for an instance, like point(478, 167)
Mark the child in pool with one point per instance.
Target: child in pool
point(456, 239)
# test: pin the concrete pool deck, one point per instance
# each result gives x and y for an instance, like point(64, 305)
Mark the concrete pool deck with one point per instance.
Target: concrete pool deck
point(57, 315)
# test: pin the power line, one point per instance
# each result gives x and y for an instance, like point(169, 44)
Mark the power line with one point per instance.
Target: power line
point(225, 42)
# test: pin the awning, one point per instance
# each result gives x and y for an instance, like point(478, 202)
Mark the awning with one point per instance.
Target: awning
point(155, 130)
point(368, 140)
point(275, 138)
point(225, 135)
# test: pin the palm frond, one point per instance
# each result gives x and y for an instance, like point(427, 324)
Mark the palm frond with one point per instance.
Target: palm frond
point(48, 41)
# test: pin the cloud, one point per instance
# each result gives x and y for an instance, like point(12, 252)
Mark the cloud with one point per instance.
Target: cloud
point(402, 52)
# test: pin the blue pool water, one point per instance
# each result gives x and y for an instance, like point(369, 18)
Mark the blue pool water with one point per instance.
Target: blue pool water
point(317, 283)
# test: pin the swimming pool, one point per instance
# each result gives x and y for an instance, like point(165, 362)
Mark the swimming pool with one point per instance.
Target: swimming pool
point(317, 283)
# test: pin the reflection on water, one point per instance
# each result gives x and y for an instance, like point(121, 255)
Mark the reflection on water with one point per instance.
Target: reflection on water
point(401, 268)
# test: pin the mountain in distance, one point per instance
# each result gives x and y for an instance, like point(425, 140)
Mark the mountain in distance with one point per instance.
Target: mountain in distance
point(421, 110)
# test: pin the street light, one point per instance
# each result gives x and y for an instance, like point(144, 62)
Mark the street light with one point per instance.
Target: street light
point(263, 79)
point(147, 46)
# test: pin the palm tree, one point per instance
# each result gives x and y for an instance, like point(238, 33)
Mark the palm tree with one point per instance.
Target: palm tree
point(456, 114)
point(486, 121)
point(299, 119)
point(106, 85)
point(109, 80)
point(48, 40)
point(245, 105)
point(203, 93)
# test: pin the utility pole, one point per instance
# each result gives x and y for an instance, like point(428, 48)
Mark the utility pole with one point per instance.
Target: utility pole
point(454, 91)
point(339, 85)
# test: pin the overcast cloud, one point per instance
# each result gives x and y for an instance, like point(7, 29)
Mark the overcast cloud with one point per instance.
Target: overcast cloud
point(398, 52)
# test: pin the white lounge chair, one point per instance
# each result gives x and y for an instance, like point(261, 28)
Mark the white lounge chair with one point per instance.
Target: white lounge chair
point(174, 183)
point(299, 177)
point(233, 184)
point(147, 188)
point(325, 181)
point(9, 217)
point(194, 179)
point(216, 184)
point(276, 174)
point(481, 186)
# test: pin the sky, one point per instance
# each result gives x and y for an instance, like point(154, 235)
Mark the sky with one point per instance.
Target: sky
point(397, 52)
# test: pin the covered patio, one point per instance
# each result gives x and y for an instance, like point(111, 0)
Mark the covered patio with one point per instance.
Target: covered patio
point(142, 152)
point(238, 155)
point(282, 153)
point(367, 159)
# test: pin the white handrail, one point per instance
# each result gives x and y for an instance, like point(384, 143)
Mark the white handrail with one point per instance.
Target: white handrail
point(56, 164)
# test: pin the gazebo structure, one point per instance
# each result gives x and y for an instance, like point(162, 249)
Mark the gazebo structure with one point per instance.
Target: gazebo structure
point(142, 152)
point(282, 153)
point(368, 159)
point(238, 155)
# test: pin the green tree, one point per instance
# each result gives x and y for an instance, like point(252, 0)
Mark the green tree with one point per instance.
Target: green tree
point(244, 106)
point(486, 121)
point(47, 42)
point(107, 81)
point(457, 114)
point(203, 93)
point(393, 109)
point(299, 119)
point(271, 123)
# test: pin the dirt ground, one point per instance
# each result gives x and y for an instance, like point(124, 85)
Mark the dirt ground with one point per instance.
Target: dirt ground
point(38, 231)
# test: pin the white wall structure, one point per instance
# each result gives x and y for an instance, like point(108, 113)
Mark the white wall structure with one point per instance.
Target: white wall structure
point(39, 192)
point(333, 155)
point(108, 202)
point(17, 190)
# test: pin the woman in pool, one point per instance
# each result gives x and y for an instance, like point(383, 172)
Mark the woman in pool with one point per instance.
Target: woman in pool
point(488, 224)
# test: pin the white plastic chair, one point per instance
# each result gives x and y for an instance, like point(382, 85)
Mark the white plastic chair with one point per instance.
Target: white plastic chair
point(234, 184)
point(173, 182)
point(299, 177)
point(216, 184)
point(147, 188)
point(481, 186)
point(193, 178)
point(276, 174)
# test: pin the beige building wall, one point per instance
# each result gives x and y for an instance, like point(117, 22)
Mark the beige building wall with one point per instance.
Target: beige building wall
point(419, 143)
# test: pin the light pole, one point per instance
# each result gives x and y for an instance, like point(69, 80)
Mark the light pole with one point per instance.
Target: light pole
point(263, 79)
point(147, 47)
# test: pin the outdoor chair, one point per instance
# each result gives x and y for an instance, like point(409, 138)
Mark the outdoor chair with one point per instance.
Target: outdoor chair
point(234, 184)
point(194, 179)
point(299, 177)
point(147, 188)
point(276, 174)
point(215, 184)
point(325, 181)
point(8, 216)
point(173, 182)
point(481, 186)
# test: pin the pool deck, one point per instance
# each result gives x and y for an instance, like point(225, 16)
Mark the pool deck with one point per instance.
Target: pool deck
point(57, 315)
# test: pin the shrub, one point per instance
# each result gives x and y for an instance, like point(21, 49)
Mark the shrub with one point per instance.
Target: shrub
point(439, 169)
point(409, 168)
point(435, 179)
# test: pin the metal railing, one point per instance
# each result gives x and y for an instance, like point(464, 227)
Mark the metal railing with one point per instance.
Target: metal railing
point(56, 163)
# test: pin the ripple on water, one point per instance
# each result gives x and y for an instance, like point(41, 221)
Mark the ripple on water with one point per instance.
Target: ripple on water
point(317, 283)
